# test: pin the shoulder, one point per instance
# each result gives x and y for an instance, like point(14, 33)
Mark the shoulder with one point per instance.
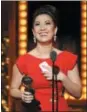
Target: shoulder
point(22, 57)
point(26, 55)
point(66, 58)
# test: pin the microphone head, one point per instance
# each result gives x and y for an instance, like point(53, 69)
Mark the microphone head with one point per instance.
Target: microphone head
point(53, 55)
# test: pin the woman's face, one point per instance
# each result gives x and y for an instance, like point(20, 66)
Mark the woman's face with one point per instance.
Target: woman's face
point(44, 28)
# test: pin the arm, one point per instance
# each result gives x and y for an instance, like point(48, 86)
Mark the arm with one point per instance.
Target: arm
point(16, 81)
point(72, 82)
point(15, 84)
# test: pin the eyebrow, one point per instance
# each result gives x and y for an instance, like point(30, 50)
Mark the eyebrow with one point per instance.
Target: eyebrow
point(45, 21)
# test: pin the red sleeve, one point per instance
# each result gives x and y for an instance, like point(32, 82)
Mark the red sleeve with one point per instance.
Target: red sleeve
point(20, 62)
point(71, 60)
point(66, 61)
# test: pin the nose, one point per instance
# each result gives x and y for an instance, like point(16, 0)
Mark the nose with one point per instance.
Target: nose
point(42, 27)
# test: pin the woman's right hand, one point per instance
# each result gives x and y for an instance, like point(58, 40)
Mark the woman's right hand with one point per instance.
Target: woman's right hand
point(27, 97)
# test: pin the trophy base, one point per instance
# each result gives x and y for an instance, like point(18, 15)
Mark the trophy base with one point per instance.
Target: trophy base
point(34, 106)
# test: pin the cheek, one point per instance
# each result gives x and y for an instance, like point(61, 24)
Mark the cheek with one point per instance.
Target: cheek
point(51, 31)
point(36, 29)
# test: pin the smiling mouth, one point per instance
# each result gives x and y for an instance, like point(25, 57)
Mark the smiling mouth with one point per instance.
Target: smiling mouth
point(43, 34)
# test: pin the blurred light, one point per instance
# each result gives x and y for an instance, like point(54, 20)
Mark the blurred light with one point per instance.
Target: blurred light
point(22, 51)
point(23, 44)
point(84, 37)
point(84, 89)
point(22, 7)
point(84, 82)
point(3, 101)
point(23, 14)
point(7, 60)
point(23, 29)
point(84, 29)
point(22, 2)
point(2, 74)
point(83, 59)
point(7, 86)
point(66, 96)
point(22, 88)
point(72, 98)
point(83, 47)
point(84, 22)
point(7, 77)
point(7, 109)
point(22, 22)
point(84, 14)
point(84, 7)
point(23, 37)
point(7, 40)
point(3, 63)
point(84, 74)
point(2, 52)
point(84, 52)
point(84, 96)
point(83, 66)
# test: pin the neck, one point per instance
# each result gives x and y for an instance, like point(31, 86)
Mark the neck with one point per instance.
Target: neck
point(44, 49)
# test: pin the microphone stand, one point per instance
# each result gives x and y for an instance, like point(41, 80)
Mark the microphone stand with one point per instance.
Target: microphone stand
point(53, 87)
point(56, 93)
point(55, 71)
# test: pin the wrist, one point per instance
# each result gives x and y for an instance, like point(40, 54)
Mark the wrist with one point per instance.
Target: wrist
point(61, 76)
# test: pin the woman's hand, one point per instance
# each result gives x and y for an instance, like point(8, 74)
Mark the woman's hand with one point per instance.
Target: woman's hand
point(48, 73)
point(27, 97)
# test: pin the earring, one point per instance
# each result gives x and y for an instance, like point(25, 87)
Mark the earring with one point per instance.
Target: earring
point(55, 38)
point(34, 40)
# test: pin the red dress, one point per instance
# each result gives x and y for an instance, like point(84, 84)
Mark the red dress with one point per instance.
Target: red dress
point(28, 64)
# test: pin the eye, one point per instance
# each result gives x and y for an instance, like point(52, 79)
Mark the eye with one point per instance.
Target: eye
point(36, 24)
point(48, 23)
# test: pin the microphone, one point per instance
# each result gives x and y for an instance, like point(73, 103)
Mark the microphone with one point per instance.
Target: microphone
point(55, 71)
point(53, 55)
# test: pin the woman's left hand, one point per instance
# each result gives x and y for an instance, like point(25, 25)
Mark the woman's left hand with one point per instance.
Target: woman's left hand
point(48, 73)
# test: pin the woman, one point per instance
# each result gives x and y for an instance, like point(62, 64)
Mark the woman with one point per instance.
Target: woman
point(44, 31)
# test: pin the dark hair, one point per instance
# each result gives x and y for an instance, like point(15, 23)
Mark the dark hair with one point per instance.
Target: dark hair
point(49, 10)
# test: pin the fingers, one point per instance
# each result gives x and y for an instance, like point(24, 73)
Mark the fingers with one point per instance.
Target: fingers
point(27, 97)
point(47, 75)
point(47, 67)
